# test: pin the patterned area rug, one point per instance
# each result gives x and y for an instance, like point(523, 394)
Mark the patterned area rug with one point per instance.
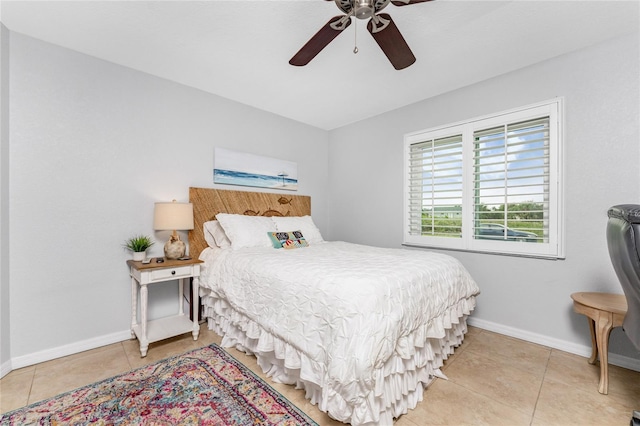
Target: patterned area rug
point(206, 386)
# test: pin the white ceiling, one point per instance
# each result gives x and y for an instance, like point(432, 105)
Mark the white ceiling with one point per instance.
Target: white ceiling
point(240, 49)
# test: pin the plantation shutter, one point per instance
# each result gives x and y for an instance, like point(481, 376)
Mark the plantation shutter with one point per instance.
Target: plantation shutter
point(511, 177)
point(435, 187)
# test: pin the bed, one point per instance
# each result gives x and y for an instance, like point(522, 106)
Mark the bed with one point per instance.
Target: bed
point(363, 330)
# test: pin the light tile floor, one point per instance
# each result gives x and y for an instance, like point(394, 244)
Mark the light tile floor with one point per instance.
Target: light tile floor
point(493, 380)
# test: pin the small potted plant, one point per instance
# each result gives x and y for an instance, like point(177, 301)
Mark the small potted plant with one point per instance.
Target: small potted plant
point(139, 245)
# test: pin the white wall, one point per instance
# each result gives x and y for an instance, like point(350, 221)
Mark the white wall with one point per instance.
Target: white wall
point(5, 341)
point(93, 145)
point(525, 297)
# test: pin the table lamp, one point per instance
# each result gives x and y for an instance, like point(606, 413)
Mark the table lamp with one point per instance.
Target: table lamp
point(174, 217)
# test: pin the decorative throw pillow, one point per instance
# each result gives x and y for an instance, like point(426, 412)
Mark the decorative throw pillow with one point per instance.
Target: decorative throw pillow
point(304, 223)
point(287, 240)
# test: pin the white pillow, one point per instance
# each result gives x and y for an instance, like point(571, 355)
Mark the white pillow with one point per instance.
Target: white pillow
point(246, 231)
point(303, 223)
point(214, 235)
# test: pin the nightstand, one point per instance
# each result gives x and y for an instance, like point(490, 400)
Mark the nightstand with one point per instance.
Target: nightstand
point(143, 275)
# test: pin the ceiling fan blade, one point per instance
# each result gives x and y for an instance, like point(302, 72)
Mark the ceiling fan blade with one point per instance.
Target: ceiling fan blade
point(320, 40)
point(388, 37)
point(407, 2)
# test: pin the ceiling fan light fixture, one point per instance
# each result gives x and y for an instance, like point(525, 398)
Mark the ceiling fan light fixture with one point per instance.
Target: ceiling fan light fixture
point(381, 27)
point(363, 9)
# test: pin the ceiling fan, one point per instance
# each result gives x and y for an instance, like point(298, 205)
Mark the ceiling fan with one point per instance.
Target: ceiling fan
point(381, 27)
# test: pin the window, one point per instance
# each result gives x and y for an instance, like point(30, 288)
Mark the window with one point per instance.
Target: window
point(491, 184)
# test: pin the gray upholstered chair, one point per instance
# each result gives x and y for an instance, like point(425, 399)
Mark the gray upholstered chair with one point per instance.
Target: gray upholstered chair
point(623, 238)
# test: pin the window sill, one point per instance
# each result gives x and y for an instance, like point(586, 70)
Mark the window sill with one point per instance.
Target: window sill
point(530, 256)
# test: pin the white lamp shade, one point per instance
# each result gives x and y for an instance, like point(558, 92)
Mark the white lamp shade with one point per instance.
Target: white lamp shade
point(173, 216)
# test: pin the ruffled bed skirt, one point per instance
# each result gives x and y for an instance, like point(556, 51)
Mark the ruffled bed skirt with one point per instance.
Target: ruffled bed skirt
point(399, 383)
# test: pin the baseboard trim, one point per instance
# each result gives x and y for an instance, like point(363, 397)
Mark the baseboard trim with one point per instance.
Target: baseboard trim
point(73, 348)
point(585, 351)
point(5, 368)
point(84, 345)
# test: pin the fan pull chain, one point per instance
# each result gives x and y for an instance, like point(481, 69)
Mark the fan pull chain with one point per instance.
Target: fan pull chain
point(355, 36)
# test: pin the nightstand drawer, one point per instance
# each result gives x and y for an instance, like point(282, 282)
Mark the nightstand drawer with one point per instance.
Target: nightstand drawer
point(163, 274)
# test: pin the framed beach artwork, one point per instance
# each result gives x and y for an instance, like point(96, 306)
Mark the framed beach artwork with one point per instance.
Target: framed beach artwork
point(240, 168)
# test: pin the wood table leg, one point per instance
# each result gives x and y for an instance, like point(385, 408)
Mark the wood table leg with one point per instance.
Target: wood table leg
point(603, 330)
point(134, 306)
point(594, 342)
point(144, 342)
point(195, 309)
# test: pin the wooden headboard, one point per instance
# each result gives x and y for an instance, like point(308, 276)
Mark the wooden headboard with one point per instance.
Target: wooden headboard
point(208, 202)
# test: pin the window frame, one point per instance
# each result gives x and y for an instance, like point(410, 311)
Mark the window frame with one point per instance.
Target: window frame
point(554, 248)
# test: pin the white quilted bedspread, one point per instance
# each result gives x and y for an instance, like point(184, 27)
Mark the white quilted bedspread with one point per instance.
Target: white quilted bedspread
point(347, 307)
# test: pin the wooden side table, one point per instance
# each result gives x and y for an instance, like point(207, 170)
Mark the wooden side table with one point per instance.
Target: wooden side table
point(143, 275)
point(604, 312)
